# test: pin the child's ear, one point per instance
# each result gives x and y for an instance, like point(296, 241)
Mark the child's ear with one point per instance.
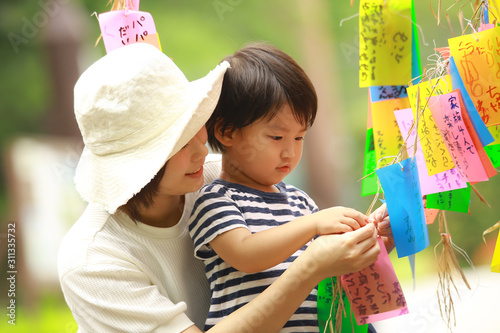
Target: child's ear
point(225, 137)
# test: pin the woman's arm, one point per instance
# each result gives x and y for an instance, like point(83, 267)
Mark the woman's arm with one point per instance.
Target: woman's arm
point(254, 252)
point(330, 255)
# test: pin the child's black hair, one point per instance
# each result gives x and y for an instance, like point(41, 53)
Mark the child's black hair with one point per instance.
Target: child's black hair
point(262, 79)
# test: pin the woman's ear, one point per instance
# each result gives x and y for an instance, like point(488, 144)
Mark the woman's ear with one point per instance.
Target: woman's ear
point(225, 137)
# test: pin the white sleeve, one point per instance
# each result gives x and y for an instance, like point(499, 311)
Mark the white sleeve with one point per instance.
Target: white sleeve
point(111, 298)
point(212, 167)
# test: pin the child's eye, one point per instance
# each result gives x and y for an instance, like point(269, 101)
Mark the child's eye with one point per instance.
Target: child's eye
point(299, 138)
point(185, 146)
point(276, 137)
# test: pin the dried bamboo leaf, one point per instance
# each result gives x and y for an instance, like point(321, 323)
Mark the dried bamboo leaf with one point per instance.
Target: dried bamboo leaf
point(447, 264)
point(491, 229)
point(449, 24)
point(118, 4)
point(374, 201)
point(404, 152)
point(445, 284)
point(338, 292)
point(453, 257)
point(432, 10)
point(461, 20)
point(439, 12)
point(480, 196)
point(416, 123)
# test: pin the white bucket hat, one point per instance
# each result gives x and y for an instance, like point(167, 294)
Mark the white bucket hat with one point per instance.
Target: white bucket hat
point(135, 110)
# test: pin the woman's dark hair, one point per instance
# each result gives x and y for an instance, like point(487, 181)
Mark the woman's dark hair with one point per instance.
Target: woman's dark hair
point(144, 197)
point(261, 80)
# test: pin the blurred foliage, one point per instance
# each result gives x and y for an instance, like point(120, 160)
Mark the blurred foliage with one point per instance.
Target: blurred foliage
point(197, 34)
point(53, 317)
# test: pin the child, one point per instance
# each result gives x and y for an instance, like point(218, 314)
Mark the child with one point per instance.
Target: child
point(248, 226)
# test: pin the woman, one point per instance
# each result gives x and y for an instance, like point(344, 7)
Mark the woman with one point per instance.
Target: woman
point(127, 265)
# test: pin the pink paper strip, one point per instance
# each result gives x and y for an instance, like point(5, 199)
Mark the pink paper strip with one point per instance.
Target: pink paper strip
point(124, 27)
point(443, 181)
point(483, 26)
point(447, 114)
point(374, 292)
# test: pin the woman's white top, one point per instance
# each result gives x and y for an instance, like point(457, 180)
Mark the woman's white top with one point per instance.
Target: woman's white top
point(122, 276)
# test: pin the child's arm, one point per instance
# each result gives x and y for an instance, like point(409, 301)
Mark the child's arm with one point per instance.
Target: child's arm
point(326, 256)
point(256, 252)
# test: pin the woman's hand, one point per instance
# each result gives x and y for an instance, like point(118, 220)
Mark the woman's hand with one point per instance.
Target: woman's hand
point(333, 255)
point(380, 217)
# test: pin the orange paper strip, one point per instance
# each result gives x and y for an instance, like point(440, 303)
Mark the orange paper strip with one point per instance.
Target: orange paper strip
point(478, 62)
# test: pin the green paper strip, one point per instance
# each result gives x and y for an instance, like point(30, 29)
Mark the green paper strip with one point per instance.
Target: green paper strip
point(454, 200)
point(493, 152)
point(416, 65)
point(369, 185)
point(325, 297)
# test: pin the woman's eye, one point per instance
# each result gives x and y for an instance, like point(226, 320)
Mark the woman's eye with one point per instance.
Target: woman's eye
point(299, 138)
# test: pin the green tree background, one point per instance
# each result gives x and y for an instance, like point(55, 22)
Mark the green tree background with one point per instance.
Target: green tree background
point(197, 34)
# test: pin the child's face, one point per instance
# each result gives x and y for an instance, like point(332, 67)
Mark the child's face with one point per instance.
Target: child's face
point(266, 151)
point(184, 170)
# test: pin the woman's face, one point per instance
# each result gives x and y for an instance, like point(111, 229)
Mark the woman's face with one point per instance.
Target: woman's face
point(184, 170)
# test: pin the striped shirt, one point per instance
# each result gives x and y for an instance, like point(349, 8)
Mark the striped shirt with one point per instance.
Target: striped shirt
point(222, 206)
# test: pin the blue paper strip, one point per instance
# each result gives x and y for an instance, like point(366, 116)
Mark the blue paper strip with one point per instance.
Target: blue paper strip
point(381, 93)
point(405, 205)
point(486, 15)
point(482, 131)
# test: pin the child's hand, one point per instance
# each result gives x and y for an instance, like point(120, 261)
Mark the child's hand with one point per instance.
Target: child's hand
point(380, 217)
point(337, 220)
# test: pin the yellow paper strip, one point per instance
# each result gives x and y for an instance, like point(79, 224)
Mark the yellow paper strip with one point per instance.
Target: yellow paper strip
point(385, 42)
point(495, 262)
point(495, 132)
point(494, 11)
point(437, 157)
point(386, 134)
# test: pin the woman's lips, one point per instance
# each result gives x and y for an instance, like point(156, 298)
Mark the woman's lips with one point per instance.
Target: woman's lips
point(197, 173)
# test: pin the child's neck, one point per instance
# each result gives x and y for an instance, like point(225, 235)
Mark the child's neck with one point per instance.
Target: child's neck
point(230, 177)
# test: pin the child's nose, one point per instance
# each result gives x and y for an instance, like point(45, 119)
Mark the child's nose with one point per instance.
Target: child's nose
point(288, 150)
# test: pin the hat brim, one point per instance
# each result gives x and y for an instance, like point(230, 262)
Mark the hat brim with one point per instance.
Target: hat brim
point(111, 180)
